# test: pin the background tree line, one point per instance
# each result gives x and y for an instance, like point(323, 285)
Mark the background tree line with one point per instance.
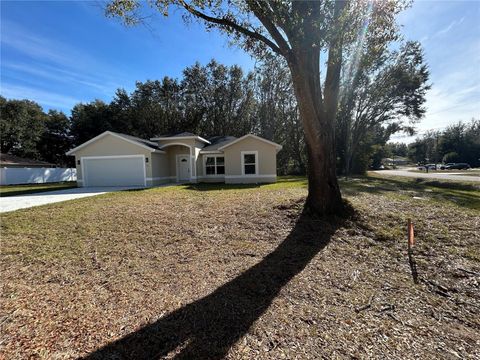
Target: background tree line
point(381, 99)
point(209, 100)
point(459, 142)
point(27, 131)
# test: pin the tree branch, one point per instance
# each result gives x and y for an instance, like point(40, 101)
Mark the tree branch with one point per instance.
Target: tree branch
point(233, 25)
point(334, 63)
point(280, 16)
point(260, 12)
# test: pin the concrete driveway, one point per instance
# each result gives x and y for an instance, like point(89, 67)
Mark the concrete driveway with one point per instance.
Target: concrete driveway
point(434, 176)
point(11, 203)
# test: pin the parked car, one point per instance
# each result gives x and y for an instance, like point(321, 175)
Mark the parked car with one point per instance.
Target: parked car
point(458, 166)
point(429, 166)
point(444, 166)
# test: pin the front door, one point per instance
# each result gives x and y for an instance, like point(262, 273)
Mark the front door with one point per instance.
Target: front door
point(183, 168)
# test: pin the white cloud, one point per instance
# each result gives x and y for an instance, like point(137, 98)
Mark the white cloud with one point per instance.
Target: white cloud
point(36, 47)
point(61, 75)
point(449, 27)
point(43, 97)
point(55, 62)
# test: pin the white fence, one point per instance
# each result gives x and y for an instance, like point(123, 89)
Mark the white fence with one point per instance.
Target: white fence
point(10, 176)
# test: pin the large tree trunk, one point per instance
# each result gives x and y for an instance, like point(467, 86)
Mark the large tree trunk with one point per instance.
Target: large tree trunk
point(323, 191)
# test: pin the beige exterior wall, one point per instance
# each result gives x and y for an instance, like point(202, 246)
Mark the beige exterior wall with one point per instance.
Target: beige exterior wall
point(160, 170)
point(183, 147)
point(110, 146)
point(172, 152)
point(266, 167)
point(198, 159)
point(199, 164)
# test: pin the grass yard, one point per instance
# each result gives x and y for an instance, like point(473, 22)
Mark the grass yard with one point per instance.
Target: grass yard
point(213, 271)
point(13, 190)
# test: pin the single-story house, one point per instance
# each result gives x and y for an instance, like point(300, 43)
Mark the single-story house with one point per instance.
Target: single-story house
point(114, 159)
point(12, 161)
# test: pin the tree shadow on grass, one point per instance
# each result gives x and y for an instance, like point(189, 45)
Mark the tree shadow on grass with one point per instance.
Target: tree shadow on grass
point(208, 328)
point(460, 194)
point(221, 186)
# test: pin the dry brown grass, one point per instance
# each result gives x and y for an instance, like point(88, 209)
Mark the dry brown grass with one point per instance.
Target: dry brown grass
point(238, 273)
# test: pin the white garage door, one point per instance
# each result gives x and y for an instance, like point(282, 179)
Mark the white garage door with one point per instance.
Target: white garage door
point(114, 171)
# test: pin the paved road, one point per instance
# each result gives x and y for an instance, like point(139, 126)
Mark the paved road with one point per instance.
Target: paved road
point(11, 203)
point(434, 176)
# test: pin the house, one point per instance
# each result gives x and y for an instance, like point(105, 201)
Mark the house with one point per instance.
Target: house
point(114, 159)
point(12, 161)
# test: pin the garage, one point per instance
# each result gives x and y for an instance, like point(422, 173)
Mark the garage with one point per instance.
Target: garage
point(128, 170)
point(114, 159)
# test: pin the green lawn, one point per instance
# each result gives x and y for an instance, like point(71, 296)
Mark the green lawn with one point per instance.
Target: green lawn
point(440, 192)
point(227, 271)
point(12, 190)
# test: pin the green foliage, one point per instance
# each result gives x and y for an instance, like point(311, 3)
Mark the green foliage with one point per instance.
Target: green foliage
point(56, 140)
point(22, 123)
point(89, 120)
point(457, 143)
point(278, 115)
point(379, 97)
point(379, 152)
point(464, 139)
point(397, 149)
point(26, 131)
point(451, 157)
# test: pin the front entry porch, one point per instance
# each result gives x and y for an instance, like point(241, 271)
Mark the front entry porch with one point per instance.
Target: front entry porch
point(181, 162)
point(183, 168)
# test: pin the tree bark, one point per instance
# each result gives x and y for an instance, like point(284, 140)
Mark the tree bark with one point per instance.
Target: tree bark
point(324, 197)
point(317, 113)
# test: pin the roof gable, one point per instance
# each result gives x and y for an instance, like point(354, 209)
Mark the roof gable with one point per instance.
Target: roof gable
point(277, 146)
point(145, 144)
point(217, 142)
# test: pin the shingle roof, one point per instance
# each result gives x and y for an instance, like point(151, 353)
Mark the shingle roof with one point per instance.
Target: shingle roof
point(139, 140)
point(218, 141)
point(178, 134)
point(8, 159)
point(133, 139)
point(184, 134)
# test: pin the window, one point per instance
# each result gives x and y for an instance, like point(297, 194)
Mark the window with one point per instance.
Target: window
point(249, 162)
point(215, 165)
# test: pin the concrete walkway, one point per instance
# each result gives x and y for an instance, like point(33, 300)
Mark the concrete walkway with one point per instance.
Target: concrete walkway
point(433, 176)
point(11, 203)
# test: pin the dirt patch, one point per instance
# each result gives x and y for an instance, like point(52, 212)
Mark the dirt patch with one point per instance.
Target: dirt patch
point(238, 273)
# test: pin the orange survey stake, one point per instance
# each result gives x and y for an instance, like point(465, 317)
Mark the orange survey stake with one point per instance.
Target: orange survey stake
point(411, 234)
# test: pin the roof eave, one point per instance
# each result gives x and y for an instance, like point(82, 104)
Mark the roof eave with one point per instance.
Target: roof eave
point(277, 146)
point(98, 137)
point(180, 138)
point(211, 152)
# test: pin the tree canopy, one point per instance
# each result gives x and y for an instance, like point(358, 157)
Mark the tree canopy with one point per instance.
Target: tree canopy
point(458, 142)
point(378, 100)
point(309, 36)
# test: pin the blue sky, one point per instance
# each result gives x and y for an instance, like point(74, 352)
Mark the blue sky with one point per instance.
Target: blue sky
point(63, 52)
